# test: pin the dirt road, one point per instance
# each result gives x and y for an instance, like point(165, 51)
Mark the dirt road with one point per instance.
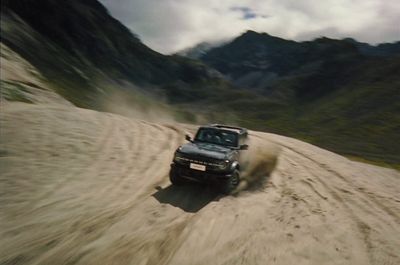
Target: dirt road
point(84, 187)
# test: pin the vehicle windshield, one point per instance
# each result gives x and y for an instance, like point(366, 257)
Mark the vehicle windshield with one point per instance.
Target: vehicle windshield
point(217, 136)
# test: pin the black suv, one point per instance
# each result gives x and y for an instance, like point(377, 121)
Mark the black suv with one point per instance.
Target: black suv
point(211, 157)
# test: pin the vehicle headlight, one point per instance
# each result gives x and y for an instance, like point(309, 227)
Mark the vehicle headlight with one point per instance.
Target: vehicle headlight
point(223, 164)
point(179, 158)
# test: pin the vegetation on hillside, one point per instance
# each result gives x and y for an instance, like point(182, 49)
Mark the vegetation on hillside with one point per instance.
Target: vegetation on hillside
point(339, 94)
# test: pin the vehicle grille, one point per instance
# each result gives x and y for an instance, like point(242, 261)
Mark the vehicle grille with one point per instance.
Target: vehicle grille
point(200, 160)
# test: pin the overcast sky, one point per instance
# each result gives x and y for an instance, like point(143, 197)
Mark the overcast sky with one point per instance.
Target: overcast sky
point(171, 25)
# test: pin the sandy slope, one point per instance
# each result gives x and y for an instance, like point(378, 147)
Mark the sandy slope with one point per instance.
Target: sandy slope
point(83, 187)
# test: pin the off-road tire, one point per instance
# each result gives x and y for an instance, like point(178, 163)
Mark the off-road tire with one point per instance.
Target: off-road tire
point(230, 184)
point(175, 178)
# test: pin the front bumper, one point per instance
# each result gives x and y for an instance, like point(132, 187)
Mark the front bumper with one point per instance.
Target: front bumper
point(197, 175)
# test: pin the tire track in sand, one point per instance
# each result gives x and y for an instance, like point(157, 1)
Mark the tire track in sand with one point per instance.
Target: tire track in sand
point(365, 227)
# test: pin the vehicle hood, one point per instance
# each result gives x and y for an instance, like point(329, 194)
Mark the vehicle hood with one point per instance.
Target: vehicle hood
point(205, 150)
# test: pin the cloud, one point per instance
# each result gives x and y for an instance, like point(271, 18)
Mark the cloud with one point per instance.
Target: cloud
point(171, 25)
point(247, 13)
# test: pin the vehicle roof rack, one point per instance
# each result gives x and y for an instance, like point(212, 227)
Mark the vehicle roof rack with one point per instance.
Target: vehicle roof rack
point(241, 130)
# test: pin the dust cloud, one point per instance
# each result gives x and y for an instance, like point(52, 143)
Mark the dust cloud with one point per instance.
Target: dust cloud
point(258, 163)
point(134, 102)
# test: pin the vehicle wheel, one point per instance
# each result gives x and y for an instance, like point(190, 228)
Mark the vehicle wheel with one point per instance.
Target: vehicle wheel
point(227, 186)
point(175, 178)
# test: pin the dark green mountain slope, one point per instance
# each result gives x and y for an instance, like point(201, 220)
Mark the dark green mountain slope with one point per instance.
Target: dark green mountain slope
point(76, 42)
point(361, 117)
point(340, 94)
point(251, 58)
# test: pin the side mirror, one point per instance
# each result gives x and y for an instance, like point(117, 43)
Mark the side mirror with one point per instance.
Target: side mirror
point(244, 147)
point(188, 138)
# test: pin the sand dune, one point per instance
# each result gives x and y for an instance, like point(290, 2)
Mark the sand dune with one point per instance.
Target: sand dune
point(84, 187)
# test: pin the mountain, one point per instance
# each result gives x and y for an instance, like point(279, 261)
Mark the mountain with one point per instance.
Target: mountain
point(339, 94)
point(255, 60)
point(383, 49)
point(76, 42)
point(258, 60)
point(199, 50)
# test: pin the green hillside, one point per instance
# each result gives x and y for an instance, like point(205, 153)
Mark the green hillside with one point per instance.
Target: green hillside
point(339, 94)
